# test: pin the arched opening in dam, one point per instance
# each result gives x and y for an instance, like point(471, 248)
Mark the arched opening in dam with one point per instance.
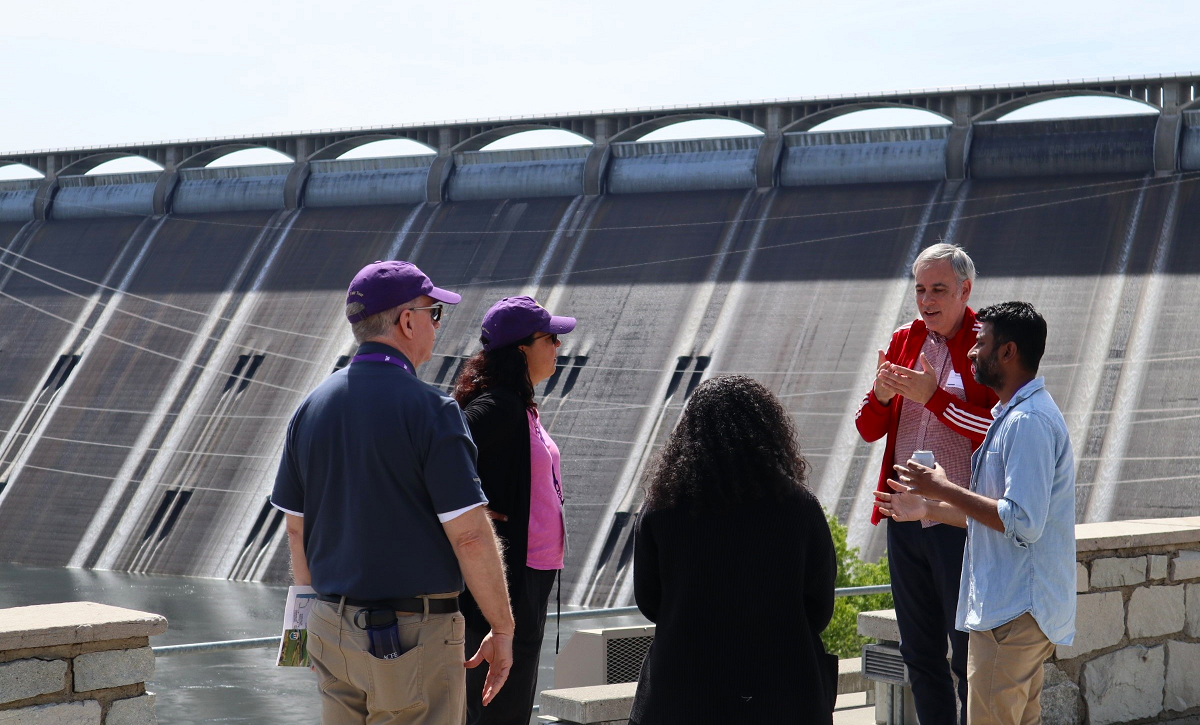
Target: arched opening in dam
point(14, 172)
point(1086, 106)
point(538, 138)
point(124, 165)
point(881, 118)
point(702, 128)
point(254, 156)
point(388, 148)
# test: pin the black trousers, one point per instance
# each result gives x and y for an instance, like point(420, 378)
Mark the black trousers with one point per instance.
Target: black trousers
point(926, 565)
point(514, 704)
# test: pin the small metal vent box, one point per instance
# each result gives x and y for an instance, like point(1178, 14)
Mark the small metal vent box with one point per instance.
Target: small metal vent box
point(883, 663)
point(603, 656)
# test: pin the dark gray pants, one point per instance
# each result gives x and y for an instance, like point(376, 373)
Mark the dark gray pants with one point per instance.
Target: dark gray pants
point(514, 704)
point(926, 565)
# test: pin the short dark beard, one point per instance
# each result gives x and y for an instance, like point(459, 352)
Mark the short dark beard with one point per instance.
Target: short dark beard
point(986, 372)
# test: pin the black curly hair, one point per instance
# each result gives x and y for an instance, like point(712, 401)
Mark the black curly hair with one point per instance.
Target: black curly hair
point(734, 443)
point(504, 366)
point(1018, 322)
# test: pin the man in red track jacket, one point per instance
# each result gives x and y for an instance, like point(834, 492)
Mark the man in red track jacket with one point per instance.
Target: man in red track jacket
point(925, 398)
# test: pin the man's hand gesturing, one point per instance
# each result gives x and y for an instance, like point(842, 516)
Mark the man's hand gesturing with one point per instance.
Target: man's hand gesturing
point(884, 391)
point(915, 385)
point(901, 504)
point(496, 648)
point(928, 482)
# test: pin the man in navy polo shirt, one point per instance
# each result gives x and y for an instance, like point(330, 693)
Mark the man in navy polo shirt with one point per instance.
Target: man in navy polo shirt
point(385, 513)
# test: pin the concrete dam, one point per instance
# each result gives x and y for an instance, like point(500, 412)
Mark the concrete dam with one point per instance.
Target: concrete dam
point(159, 328)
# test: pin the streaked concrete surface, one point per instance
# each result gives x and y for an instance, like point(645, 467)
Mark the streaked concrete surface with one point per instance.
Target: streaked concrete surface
point(155, 450)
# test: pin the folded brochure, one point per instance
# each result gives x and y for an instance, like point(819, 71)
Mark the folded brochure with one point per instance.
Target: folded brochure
point(293, 645)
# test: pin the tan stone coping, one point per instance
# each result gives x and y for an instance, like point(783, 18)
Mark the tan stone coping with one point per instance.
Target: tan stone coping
point(1136, 533)
point(50, 625)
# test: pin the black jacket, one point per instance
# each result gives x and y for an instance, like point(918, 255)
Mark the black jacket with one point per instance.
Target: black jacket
point(499, 425)
point(740, 597)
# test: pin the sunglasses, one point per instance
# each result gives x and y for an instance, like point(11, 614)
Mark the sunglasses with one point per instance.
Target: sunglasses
point(435, 313)
point(553, 338)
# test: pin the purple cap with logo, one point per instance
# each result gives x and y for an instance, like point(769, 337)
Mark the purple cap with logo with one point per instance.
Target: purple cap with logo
point(381, 286)
point(516, 318)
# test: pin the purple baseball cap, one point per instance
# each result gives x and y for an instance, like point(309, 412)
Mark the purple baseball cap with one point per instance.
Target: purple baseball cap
point(381, 286)
point(516, 318)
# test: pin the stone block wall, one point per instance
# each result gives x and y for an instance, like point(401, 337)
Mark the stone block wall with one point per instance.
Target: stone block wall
point(76, 663)
point(1136, 654)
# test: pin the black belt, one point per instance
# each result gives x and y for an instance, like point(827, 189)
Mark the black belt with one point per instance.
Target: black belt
point(412, 605)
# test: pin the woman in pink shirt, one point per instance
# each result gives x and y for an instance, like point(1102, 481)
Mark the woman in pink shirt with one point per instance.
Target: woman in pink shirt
point(519, 470)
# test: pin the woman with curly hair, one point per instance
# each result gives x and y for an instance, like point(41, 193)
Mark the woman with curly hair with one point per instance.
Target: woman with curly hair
point(519, 471)
point(735, 565)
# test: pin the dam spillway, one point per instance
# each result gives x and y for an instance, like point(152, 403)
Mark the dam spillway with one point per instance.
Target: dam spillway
point(153, 354)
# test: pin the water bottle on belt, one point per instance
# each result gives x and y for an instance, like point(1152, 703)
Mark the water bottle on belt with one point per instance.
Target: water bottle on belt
point(383, 634)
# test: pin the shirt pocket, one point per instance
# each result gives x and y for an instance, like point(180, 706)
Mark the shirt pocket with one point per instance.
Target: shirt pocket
point(954, 386)
point(991, 474)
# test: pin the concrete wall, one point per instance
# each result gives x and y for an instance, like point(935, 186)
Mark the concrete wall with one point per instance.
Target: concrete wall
point(245, 188)
point(76, 663)
point(519, 174)
point(683, 165)
point(363, 182)
point(993, 150)
point(131, 437)
point(104, 195)
point(1111, 145)
point(864, 157)
point(1136, 654)
point(16, 199)
point(1189, 146)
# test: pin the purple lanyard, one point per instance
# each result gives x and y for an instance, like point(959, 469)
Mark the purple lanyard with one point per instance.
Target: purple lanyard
point(537, 421)
point(384, 358)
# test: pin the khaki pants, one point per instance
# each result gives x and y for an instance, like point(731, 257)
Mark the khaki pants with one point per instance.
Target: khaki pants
point(1004, 673)
point(424, 686)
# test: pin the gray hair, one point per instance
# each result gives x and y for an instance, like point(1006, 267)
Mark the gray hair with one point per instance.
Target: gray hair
point(374, 326)
point(964, 268)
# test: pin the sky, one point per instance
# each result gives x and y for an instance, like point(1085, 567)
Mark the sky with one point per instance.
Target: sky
point(96, 72)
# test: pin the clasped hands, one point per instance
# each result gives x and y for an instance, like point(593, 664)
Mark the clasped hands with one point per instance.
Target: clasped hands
point(892, 380)
point(914, 493)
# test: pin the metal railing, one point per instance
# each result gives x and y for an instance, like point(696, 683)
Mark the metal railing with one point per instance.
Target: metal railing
point(567, 115)
point(577, 615)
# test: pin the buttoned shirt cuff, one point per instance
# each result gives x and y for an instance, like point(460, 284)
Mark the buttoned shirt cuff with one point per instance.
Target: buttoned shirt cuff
point(451, 515)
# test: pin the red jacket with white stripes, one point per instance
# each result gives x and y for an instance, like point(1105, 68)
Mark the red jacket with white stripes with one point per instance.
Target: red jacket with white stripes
point(970, 419)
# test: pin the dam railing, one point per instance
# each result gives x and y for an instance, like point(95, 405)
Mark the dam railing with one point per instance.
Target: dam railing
point(579, 614)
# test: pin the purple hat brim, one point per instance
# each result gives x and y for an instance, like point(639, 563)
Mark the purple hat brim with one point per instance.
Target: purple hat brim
point(560, 325)
point(446, 296)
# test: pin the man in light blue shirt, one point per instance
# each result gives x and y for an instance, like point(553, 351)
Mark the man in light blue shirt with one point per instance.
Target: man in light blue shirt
point(1017, 595)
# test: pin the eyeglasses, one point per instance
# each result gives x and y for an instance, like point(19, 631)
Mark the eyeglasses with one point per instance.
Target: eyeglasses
point(435, 313)
point(553, 338)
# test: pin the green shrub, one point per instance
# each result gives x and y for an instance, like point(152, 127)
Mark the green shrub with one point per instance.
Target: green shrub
point(841, 636)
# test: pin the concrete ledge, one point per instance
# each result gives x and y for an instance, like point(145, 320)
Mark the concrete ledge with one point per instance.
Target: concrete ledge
point(590, 705)
point(850, 679)
point(1135, 534)
point(880, 625)
point(50, 625)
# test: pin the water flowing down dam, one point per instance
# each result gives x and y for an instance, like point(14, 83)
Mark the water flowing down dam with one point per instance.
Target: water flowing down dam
point(159, 328)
